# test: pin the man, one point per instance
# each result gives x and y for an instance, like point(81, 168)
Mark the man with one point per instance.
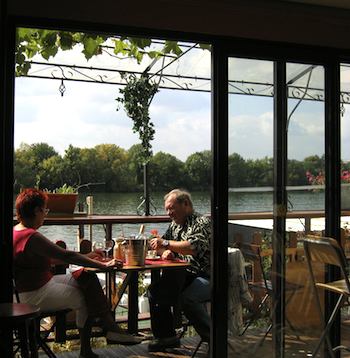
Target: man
point(187, 237)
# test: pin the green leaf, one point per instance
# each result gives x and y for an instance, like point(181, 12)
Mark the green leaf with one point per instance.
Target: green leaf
point(49, 52)
point(120, 47)
point(91, 47)
point(205, 46)
point(172, 47)
point(140, 42)
point(154, 54)
point(49, 39)
point(66, 40)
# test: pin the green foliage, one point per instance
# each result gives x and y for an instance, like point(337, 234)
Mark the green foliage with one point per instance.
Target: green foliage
point(122, 171)
point(46, 43)
point(166, 172)
point(64, 189)
point(29, 165)
point(198, 166)
point(136, 99)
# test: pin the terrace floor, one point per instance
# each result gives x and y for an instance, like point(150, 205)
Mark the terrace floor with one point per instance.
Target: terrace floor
point(140, 351)
point(247, 346)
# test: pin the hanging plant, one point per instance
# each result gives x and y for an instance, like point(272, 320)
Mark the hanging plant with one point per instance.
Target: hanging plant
point(136, 98)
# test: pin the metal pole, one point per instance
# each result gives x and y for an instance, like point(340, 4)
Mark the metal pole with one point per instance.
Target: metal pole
point(280, 207)
point(146, 189)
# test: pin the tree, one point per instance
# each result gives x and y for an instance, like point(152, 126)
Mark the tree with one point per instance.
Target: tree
point(72, 166)
point(51, 175)
point(259, 172)
point(166, 172)
point(296, 173)
point(28, 168)
point(236, 171)
point(198, 167)
point(113, 166)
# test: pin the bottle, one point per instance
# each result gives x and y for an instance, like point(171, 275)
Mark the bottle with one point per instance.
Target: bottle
point(119, 249)
point(142, 244)
point(142, 230)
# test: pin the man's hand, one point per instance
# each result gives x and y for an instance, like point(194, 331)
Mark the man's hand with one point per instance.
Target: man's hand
point(168, 255)
point(156, 243)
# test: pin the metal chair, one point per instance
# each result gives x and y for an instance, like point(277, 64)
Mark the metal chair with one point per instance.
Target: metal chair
point(327, 251)
point(262, 286)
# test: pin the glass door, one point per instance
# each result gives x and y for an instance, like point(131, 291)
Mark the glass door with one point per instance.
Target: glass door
point(276, 164)
point(250, 206)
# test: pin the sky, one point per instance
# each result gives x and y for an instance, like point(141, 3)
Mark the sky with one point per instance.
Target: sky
point(86, 115)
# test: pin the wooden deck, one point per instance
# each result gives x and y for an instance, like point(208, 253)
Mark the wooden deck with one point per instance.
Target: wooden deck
point(248, 346)
point(138, 351)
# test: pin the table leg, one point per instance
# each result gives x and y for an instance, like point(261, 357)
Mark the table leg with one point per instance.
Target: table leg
point(133, 309)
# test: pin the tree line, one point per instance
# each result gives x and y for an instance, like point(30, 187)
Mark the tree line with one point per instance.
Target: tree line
point(40, 165)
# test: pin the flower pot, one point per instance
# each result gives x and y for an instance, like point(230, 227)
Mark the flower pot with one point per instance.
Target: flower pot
point(345, 197)
point(62, 203)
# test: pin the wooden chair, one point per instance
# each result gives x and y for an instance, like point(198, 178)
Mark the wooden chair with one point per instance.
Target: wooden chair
point(58, 326)
point(327, 251)
point(261, 286)
point(19, 318)
point(85, 246)
point(60, 268)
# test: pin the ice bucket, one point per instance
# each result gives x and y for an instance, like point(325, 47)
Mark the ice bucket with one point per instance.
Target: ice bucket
point(135, 251)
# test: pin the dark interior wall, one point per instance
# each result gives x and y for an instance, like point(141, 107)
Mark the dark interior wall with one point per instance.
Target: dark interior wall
point(265, 20)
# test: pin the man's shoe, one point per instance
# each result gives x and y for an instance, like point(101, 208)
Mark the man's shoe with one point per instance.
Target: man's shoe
point(122, 338)
point(160, 344)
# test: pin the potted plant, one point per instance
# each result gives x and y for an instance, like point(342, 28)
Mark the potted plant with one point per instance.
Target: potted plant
point(62, 200)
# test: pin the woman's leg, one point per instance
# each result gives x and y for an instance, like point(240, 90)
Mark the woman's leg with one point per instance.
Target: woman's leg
point(98, 307)
point(62, 292)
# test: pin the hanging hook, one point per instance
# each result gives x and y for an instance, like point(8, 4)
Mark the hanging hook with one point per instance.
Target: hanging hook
point(62, 88)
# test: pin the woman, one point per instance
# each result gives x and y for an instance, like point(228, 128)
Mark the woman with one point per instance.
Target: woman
point(81, 291)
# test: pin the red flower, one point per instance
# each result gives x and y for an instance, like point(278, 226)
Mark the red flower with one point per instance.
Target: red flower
point(154, 233)
point(345, 176)
point(320, 178)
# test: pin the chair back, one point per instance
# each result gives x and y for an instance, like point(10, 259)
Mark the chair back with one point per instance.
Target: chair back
point(15, 291)
point(85, 246)
point(252, 254)
point(327, 251)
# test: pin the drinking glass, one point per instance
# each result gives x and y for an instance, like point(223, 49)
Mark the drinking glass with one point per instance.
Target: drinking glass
point(108, 246)
point(99, 245)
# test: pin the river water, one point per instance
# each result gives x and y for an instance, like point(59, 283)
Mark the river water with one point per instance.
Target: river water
point(127, 203)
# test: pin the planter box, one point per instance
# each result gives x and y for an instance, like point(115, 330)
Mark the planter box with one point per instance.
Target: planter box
point(62, 203)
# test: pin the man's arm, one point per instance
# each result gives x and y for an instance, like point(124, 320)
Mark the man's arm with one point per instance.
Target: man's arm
point(180, 247)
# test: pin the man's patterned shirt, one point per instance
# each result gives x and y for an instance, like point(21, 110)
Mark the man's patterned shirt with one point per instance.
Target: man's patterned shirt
point(196, 230)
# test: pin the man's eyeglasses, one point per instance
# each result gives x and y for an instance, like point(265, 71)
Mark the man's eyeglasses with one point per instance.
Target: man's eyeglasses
point(46, 210)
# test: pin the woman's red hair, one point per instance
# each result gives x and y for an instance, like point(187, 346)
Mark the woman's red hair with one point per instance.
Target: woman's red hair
point(27, 201)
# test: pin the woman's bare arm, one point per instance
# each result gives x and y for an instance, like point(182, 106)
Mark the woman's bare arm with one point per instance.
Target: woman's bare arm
point(42, 246)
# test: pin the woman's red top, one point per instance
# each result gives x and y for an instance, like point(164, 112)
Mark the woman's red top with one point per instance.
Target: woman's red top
point(31, 271)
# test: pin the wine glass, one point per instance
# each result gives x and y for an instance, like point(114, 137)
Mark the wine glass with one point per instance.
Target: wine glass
point(99, 246)
point(108, 246)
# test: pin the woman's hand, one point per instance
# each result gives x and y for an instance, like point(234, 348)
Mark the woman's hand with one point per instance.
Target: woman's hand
point(96, 255)
point(113, 263)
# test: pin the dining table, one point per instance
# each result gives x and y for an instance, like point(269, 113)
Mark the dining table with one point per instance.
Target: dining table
point(115, 292)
